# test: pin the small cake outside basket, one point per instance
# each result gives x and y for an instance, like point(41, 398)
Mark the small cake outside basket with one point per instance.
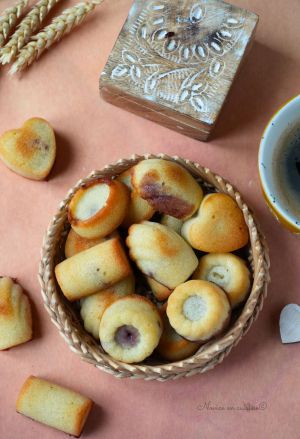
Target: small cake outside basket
point(209, 354)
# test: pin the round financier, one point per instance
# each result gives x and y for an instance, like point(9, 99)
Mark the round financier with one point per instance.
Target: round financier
point(198, 310)
point(92, 307)
point(130, 329)
point(98, 208)
point(172, 346)
point(228, 271)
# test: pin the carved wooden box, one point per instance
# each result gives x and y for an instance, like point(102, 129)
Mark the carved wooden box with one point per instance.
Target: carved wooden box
point(174, 61)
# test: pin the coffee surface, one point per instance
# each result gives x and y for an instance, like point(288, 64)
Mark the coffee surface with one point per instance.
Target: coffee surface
point(287, 170)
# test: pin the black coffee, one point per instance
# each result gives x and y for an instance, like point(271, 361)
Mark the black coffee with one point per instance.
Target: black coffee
point(287, 170)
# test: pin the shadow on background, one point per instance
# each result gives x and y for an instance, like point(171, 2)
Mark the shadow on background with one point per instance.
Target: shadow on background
point(95, 420)
point(36, 321)
point(254, 93)
point(64, 155)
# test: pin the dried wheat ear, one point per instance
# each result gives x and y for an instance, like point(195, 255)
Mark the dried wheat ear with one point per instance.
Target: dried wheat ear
point(23, 46)
point(9, 19)
point(30, 24)
point(60, 26)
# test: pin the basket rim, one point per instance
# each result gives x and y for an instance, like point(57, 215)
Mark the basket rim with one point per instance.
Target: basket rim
point(209, 354)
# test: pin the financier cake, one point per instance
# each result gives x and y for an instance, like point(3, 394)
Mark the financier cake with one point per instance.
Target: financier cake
point(174, 298)
point(138, 209)
point(130, 329)
point(15, 315)
point(219, 226)
point(76, 243)
point(160, 291)
point(29, 151)
point(160, 253)
point(172, 346)
point(92, 270)
point(172, 222)
point(98, 208)
point(228, 271)
point(198, 310)
point(168, 187)
point(93, 307)
point(53, 405)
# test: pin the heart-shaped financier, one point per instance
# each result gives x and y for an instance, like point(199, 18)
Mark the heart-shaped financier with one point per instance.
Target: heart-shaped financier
point(219, 226)
point(289, 323)
point(15, 315)
point(29, 151)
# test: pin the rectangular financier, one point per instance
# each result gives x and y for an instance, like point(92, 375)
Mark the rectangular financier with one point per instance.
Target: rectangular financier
point(92, 270)
point(53, 405)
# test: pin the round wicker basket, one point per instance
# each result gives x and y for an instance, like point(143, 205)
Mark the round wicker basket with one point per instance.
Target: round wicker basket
point(211, 353)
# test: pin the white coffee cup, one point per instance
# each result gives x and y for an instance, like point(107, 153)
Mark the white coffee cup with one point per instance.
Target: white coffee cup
point(287, 116)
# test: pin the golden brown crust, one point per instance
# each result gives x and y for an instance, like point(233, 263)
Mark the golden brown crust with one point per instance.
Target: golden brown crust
point(160, 291)
point(29, 151)
point(138, 315)
point(152, 191)
point(120, 257)
point(207, 316)
point(15, 315)
point(172, 346)
point(167, 249)
point(53, 405)
point(228, 271)
point(93, 307)
point(219, 226)
point(76, 197)
point(167, 186)
point(108, 218)
point(27, 141)
point(24, 391)
point(76, 243)
point(138, 209)
point(161, 253)
point(93, 270)
point(81, 416)
point(112, 198)
point(6, 308)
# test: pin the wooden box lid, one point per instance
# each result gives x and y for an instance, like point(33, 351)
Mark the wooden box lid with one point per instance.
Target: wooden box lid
point(174, 61)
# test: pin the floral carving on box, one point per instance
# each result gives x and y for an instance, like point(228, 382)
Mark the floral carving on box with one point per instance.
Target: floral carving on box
point(181, 54)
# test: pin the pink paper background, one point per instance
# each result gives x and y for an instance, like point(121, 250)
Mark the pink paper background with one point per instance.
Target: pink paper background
point(63, 88)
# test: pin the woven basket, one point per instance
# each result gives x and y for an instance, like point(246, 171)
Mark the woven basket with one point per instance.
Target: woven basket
point(80, 342)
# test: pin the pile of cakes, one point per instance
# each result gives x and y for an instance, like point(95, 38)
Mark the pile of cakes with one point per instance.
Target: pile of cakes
point(149, 260)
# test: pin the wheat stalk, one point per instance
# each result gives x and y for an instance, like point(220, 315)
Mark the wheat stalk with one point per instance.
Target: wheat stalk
point(26, 28)
point(60, 26)
point(9, 18)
